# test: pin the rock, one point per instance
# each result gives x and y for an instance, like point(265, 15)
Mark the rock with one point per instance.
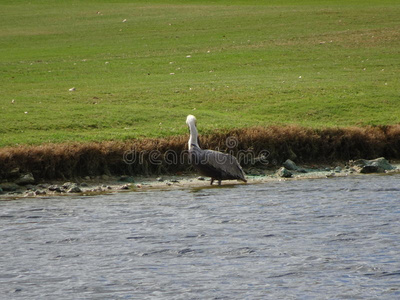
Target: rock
point(338, 169)
point(160, 179)
point(285, 173)
point(290, 165)
point(125, 178)
point(31, 187)
point(1, 191)
point(56, 188)
point(378, 165)
point(74, 189)
point(40, 192)
point(84, 184)
point(25, 179)
point(68, 185)
point(29, 194)
point(125, 187)
point(174, 180)
point(371, 169)
point(201, 178)
point(9, 186)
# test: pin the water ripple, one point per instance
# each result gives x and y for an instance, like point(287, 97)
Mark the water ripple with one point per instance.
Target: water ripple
point(334, 238)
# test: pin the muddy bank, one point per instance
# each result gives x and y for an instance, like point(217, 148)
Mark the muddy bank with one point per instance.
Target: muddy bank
point(97, 185)
point(258, 148)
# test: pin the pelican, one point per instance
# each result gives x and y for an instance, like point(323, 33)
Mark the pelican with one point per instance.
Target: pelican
point(217, 165)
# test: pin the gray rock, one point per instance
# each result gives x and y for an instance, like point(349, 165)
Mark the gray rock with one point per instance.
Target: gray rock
point(285, 173)
point(9, 186)
point(68, 185)
point(40, 192)
point(84, 184)
point(201, 178)
point(125, 187)
point(378, 165)
point(160, 179)
point(290, 165)
point(338, 169)
point(371, 169)
point(56, 188)
point(29, 194)
point(1, 191)
point(25, 179)
point(31, 187)
point(74, 189)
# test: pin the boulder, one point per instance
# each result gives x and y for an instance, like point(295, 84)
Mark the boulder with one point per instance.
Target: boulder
point(126, 187)
point(290, 165)
point(74, 189)
point(68, 185)
point(378, 165)
point(56, 188)
point(25, 179)
point(40, 192)
point(338, 169)
point(285, 173)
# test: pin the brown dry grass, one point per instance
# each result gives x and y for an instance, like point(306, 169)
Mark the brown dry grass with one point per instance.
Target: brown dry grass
point(150, 156)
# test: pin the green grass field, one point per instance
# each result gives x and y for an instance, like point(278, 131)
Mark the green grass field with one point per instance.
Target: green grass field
point(139, 67)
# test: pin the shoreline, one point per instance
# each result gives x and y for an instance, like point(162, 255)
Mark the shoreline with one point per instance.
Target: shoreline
point(255, 147)
point(102, 185)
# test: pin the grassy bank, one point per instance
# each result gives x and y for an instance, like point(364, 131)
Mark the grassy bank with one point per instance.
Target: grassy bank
point(169, 155)
point(140, 67)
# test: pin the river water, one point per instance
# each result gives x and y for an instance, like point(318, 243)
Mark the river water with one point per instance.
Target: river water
point(336, 238)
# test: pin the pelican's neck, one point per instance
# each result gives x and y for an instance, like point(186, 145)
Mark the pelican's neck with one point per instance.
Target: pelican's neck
point(193, 136)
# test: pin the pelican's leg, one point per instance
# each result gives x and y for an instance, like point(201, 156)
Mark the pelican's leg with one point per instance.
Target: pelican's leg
point(212, 180)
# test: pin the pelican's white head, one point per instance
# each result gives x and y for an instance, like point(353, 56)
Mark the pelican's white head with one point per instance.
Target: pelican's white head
point(191, 120)
point(191, 123)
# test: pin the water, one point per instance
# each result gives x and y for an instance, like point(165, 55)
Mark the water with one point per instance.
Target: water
point(309, 239)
